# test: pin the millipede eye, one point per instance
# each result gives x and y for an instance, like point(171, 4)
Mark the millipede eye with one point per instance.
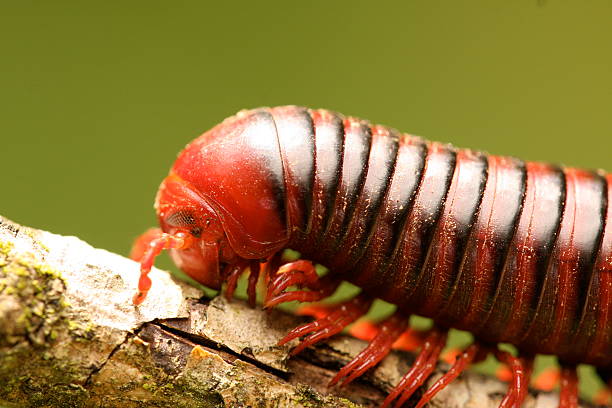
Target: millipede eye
point(181, 219)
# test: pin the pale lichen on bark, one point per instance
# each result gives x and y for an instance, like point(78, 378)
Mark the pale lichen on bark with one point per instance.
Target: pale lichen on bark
point(70, 337)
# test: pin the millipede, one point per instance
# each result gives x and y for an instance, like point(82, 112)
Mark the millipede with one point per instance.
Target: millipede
point(514, 252)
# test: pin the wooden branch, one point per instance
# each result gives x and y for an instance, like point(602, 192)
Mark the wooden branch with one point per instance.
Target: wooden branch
point(70, 336)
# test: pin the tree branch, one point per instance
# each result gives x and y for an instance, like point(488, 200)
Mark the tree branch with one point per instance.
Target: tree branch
point(70, 336)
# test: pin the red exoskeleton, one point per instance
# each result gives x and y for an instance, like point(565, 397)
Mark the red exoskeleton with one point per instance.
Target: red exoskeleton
point(512, 251)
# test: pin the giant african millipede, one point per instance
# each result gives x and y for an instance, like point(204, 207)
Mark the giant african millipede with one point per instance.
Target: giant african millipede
point(511, 251)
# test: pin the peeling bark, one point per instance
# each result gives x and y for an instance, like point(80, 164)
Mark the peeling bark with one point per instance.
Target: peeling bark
point(70, 337)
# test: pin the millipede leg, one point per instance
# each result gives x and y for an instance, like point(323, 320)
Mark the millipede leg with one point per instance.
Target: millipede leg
point(231, 274)
point(377, 349)
point(270, 266)
point(523, 387)
point(339, 317)
point(521, 368)
point(254, 268)
point(568, 397)
point(293, 273)
point(302, 274)
point(464, 360)
point(409, 340)
point(421, 369)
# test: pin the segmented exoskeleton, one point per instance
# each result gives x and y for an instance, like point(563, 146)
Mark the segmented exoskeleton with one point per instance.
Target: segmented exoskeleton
point(512, 251)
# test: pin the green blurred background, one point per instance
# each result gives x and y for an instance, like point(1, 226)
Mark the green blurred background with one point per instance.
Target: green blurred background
point(96, 98)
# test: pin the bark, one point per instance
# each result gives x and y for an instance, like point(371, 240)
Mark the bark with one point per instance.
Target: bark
point(70, 337)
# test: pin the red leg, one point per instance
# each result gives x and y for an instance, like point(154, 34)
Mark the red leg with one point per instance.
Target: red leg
point(254, 267)
point(523, 388)
point(379, 347)
point(301, 273)
point(568, 398)
point(421, 369)
point(461, 364)
point(231, 274)
point(340, 317)
point(271, 266)
point(521, 368)
point(320, 289)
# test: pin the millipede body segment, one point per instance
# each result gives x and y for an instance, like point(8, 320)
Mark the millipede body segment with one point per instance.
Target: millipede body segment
point(512, 251)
